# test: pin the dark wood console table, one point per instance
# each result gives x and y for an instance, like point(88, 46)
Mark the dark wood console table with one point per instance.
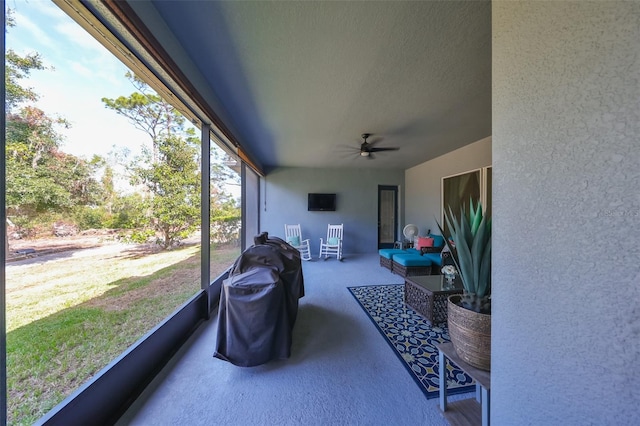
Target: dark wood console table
point(470, 411)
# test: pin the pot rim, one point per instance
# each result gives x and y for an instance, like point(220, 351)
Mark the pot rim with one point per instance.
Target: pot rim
point(449, 300)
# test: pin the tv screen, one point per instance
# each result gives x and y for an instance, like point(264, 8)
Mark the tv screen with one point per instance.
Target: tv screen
point(322, 202)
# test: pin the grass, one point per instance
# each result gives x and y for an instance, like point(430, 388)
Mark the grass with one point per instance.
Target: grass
point(68, 318)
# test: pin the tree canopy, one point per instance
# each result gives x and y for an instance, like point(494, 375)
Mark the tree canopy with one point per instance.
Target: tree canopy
point(43, 180)
point(40, 177)
point(170, 170)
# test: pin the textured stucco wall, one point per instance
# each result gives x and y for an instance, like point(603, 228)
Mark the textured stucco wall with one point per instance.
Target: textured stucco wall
point(423, 182)
point(284, 200)
point(566, 213)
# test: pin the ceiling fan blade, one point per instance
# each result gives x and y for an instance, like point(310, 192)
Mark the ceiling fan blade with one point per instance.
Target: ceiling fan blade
point(383, 149)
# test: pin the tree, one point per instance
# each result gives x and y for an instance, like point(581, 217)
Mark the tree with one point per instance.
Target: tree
point(147, 112)
point(16, 68)
point(170, 170)
point(174, 181)
point(40, 177)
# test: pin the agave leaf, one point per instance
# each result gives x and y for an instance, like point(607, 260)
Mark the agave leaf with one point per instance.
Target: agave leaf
point(472, 211)
point(484, 288)
point(479, 242)
point(466, 268)
point(463, 246)
point(464, 228)
point(475, 216)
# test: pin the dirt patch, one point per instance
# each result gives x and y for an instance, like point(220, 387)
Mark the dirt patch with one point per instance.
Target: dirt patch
point(24, 248)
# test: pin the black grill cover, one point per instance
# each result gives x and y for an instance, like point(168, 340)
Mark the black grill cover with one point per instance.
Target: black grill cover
point(259, 304)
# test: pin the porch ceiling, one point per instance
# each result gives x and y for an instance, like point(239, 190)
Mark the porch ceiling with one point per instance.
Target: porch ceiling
point(299, 82)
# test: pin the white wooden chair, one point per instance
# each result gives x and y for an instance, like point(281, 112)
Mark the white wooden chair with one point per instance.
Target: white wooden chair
point(293, 236)
point(333, 245)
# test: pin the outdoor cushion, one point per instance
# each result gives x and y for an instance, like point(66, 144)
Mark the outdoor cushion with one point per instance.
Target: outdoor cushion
point(333, 241)
point(412, 260)
point(438, 240)
point(294, 241)
point(389, 253)
point(435, 258)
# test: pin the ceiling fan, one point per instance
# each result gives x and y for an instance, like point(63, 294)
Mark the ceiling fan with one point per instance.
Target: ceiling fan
point(367, 148)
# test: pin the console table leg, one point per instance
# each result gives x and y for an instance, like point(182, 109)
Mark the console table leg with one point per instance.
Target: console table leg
point(478, 393)
point(485, 407)
point(443, 381)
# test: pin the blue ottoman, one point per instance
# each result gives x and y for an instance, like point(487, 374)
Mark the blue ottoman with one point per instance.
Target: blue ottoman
point(386, 256)
point(411, 264)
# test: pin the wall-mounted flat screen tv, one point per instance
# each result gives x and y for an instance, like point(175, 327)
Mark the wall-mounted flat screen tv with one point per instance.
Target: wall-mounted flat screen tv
point(322, 202)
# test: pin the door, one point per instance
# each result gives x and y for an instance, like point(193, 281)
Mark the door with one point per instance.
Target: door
point(387, 216)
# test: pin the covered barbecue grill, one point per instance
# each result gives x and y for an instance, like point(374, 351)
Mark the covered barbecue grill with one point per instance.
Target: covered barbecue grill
point(259, 303)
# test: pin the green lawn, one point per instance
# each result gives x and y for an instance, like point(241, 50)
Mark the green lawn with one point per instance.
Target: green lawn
point(68, 318)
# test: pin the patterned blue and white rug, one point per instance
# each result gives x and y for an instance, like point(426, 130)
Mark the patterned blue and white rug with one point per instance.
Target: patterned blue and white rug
point(412, 338)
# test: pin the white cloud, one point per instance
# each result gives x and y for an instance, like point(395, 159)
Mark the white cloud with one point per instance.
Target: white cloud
point(35, 31)
point(50, 9)
point(80, 69)
point(76, 34)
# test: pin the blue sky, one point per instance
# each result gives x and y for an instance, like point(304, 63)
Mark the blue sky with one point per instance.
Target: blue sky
point(83, 72)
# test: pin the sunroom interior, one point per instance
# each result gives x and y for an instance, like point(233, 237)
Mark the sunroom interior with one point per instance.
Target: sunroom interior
point(546, 94)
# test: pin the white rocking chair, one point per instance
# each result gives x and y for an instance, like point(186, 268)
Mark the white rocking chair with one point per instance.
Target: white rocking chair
point(333, 245)
point(293, 236)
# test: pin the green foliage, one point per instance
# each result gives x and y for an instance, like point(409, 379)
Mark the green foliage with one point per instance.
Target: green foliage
point(54, 181)
point(17, 68)
point(169, 170)
point(40, 177)
point(86, 217)
point(129, 212)
point(472, 255)
point(174, 182)
point(226, 219)
point(226, 229)
point(138, 236)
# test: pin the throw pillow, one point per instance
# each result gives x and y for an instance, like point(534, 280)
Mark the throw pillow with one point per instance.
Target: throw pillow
point(333, 241)
point(424, 242)
point(294, 241)
point(438, 240)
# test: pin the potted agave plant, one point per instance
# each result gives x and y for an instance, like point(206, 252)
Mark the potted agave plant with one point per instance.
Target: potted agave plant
point(469, 314)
